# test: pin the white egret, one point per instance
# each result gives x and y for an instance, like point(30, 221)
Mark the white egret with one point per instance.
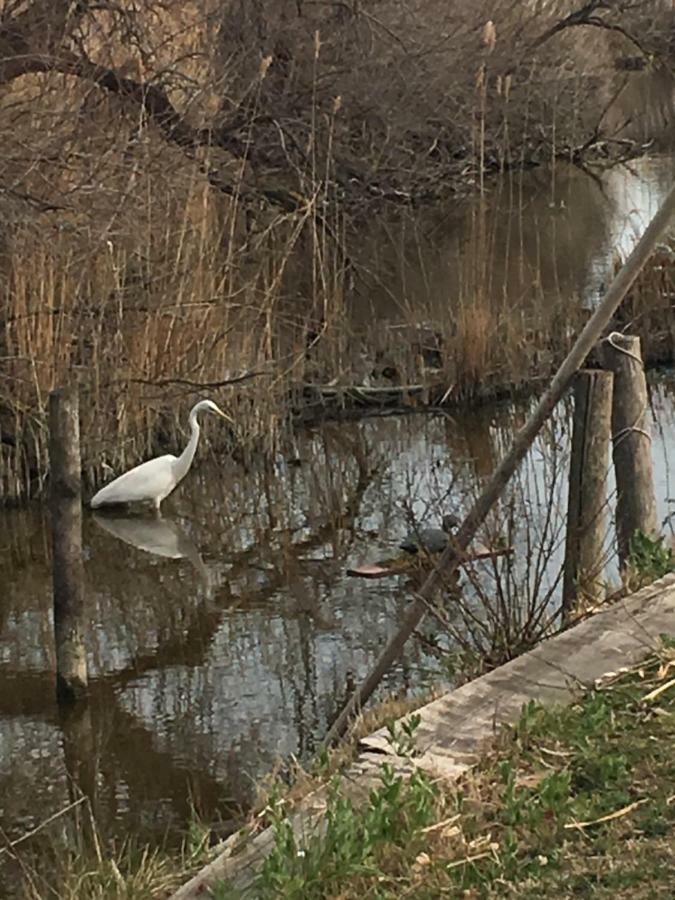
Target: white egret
point(155, 479)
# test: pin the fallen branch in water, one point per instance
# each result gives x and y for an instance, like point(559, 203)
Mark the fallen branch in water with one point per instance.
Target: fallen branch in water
point(402, 565)
point(331, 390)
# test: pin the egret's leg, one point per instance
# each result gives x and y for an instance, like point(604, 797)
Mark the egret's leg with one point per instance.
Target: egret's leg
point(156, 503)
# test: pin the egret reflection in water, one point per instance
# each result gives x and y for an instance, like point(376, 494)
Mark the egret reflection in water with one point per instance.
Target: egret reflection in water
point(161, 537)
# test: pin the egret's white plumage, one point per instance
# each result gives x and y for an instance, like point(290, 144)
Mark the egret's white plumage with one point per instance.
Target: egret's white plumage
point(155, 479)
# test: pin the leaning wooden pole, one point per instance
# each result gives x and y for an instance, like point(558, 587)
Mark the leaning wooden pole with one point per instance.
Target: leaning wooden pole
point(66, 528)
point(631, 441)
point(587, 498)
point(450, 560)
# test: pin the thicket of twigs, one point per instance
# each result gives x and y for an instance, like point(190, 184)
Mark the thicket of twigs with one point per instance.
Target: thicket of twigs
point(184, 188)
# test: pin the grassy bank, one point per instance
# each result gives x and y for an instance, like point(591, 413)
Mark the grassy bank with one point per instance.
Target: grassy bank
point(573, 801)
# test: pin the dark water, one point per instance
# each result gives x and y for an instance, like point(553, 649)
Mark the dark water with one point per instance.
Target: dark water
point(549, 236)
point(222, 637)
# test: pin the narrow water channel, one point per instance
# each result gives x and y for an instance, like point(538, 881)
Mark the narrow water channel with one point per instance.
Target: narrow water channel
point(223, 636)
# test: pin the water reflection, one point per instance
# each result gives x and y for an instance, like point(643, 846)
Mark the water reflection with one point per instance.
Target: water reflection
point(542, 237)
point(159, 536)
point(195, 690)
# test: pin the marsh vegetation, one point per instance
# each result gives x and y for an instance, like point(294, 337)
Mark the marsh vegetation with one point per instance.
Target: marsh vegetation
point(308, 213)
point(193, 192)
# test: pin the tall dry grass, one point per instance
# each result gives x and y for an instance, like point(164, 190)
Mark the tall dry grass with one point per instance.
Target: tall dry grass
point(186, 189)
point(144, 332)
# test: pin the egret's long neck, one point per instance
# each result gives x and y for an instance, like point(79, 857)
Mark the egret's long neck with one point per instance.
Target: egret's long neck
point(184, 461)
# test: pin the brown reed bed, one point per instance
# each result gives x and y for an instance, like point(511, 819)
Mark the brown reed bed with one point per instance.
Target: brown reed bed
point(143, 345)
point(188, 202)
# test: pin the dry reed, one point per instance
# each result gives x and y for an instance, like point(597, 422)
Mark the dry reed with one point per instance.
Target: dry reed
point(186, 201)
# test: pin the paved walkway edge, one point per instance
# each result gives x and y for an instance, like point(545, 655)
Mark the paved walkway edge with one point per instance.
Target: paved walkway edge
point(454, 728)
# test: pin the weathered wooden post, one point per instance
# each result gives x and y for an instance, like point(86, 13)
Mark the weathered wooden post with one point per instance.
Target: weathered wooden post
point(81, 758)
point(631, 441)
point(587, 498)
point(66, 527)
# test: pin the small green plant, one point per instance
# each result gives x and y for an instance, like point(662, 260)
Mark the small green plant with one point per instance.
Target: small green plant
point(196, 843)
point(668, 642)
point(650, 558)
point(462, 664)
point(532, 720)
point(402, 735)
point(531, 806)
point(353, 840)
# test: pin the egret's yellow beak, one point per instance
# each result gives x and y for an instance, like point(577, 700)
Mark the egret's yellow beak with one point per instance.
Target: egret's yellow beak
point(225, 416)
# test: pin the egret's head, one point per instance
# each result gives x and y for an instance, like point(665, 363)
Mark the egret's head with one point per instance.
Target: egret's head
point(209, 405)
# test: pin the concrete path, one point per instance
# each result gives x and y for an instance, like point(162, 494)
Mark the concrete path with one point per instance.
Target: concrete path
point(454, 729)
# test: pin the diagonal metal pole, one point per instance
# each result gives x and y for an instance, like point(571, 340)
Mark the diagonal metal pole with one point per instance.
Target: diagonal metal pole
point(450, 560)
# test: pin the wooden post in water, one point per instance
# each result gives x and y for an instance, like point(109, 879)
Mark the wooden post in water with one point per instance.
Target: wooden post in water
point(66, 527)
point(587, 498)
point(631, 441)
point(81, 757)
